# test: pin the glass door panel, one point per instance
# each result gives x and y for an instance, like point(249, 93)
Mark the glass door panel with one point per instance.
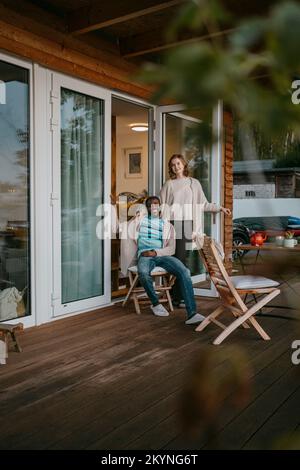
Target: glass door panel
point(82, 127)
point(177, 133)
point(14, 192)
point(80, 189)
point(180, 136)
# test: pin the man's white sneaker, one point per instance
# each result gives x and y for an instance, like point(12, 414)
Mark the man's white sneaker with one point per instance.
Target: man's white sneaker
point(197, 318)
point(159, 310)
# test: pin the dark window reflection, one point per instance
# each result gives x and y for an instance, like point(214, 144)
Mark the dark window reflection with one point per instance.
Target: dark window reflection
point(14, 192)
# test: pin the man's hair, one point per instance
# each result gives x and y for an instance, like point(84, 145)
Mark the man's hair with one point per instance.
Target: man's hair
point(150, 201)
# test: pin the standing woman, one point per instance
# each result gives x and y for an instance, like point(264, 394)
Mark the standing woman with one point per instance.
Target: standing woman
point(183, 203)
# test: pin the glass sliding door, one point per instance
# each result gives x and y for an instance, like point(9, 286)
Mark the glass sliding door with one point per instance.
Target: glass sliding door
point(80, 270)
point(177, 133)
point(14, 192)
point(82, 143)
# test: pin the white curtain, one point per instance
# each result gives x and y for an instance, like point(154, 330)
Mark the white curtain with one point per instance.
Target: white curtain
point(82, 145)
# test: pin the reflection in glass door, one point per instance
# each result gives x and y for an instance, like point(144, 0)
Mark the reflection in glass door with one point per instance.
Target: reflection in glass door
point(14, 192)
point(80, 275)
point(81, 193)
point(176, 135)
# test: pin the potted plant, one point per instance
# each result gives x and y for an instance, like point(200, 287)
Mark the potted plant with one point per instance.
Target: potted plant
point(289, 240)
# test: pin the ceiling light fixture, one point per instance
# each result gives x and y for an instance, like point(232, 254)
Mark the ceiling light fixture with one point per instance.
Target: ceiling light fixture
point(139, 127)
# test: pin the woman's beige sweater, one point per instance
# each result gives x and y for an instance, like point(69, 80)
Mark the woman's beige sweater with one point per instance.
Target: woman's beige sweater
point(173, 200)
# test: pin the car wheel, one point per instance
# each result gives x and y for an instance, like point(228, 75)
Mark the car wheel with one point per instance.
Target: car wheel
point(238, 240)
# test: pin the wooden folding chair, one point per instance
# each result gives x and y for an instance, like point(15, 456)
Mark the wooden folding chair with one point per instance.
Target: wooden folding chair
point(163, 284)
point(230, 290)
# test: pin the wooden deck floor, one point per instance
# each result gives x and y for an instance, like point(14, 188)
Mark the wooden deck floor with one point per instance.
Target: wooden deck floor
point(110, 379)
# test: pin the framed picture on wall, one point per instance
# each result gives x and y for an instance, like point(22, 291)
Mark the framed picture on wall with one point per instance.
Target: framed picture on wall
point(133, 162)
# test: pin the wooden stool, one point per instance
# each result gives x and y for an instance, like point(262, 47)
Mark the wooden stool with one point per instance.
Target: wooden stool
point(5, 330)
point(137, 294)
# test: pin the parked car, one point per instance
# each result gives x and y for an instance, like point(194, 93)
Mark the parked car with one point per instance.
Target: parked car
point(241, 236)
point(271, 226)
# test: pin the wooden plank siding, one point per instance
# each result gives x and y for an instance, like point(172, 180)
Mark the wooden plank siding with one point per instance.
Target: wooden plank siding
point(228, 184)
point(86, 383)
point(59, 51)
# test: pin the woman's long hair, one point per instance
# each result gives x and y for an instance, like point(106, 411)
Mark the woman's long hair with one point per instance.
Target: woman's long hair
point(183, 161)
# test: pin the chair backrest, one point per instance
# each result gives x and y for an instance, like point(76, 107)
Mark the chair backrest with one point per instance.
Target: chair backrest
point(218, 274)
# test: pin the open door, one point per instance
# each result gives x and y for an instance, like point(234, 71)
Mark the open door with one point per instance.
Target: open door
point(173, 125)
point(131, 175)
point(80, 125)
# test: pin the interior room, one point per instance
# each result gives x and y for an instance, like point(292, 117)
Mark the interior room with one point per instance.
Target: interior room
point(130, 169)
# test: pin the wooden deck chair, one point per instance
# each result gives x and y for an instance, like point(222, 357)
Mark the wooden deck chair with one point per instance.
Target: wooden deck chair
point(230, 289)
point(163, 284)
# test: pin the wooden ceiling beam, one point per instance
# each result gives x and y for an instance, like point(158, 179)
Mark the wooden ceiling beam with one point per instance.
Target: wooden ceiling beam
point(41, 25)
point(65, 58)
point(154, 41)
point(95, 16)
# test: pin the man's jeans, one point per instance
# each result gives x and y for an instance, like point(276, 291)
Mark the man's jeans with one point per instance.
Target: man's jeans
point(173, 266)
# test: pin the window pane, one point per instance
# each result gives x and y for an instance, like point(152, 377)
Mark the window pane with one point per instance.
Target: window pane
point(82, 144)
point(14, 190)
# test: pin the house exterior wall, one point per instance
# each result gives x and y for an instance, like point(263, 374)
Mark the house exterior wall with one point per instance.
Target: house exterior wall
point(228, 184)
point(46, 55)
point(285, 186)
point(267, 185)
point(257, 191)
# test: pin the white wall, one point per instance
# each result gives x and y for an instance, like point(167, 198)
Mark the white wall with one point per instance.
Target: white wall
point(265, 207)
point(262, 191)
point(130, 139)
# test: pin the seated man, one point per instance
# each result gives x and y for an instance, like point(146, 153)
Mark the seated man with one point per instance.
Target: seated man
point(155, 240)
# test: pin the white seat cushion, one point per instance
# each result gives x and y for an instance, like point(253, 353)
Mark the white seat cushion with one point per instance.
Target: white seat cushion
point(252, 282)
point(156, 270)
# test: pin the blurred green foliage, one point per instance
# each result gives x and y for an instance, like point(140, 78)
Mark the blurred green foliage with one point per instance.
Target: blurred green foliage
point(250, 66)
point(283, 148)
point(217, 378)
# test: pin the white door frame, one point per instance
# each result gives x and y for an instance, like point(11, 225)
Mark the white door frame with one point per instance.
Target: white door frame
point(62, 81)
point(216, 153)
point(29, 320)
